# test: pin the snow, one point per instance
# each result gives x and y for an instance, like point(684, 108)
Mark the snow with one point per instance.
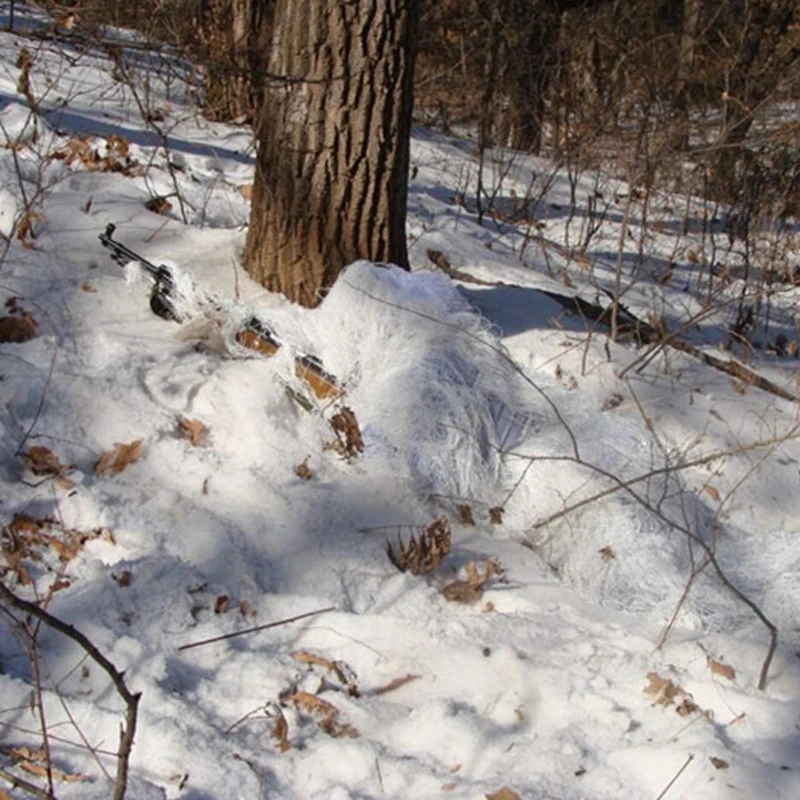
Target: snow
point(490, 396)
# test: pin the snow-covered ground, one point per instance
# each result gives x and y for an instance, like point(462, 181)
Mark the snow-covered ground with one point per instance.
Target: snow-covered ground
point(581, 668)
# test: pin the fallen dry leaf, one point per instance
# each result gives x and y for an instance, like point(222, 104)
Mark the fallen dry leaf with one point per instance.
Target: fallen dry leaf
point(687, 707)
point(465, 514)
point(503, 794)
point(312, 659)
point(718, 762)
point(470, 591)
point(725, 670)
point(77, 149)
point(68, 547)
point(18, 329)
point(25, 230)
point(302, 470)
point(342, 671)
point(325, 714)
point(245, 609)
point(496, 515)
point(193, 430)
point(41, 772)
point(221, 604)
point(712, 492)
point(115, 461)
point(280, 732)
point(479, 577)
point(663, 689)
point(26, 538)
point(246, 191)
point(348, 442)
point(64, 483)
point(312, 704)
point(424, 550)
point(462, 592)
point(42, 461)
point(158, 205)
point(24, 753)
point(124, 578)
point(607, 553)
point(117, 145)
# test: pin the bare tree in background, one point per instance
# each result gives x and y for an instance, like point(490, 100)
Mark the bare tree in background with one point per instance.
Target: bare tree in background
point(234, 40)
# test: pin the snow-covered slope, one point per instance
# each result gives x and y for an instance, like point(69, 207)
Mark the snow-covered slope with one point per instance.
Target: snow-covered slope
point(601, 657)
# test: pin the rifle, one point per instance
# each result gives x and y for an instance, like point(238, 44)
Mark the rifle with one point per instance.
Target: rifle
point(161, 302)
point(255, 334)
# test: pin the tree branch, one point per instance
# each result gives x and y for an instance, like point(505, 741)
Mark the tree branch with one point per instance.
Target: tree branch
point(130, 699)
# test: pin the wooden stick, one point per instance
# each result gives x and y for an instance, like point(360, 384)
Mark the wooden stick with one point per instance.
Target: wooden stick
point(257, 628)
point(677, 775)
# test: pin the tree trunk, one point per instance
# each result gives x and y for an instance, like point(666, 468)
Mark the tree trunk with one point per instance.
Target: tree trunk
point(331, 180)
point(687, 48)
point(531, 42)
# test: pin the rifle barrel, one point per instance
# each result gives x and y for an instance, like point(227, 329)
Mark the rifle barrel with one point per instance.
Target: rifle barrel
point(122, 255)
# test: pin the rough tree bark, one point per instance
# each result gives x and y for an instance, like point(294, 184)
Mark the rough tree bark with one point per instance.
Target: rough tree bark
point(331, 179)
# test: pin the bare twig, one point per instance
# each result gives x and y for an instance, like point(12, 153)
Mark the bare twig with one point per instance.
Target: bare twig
point(675, 777)
point(71, 717)
point(26, 786)
point(700, 542)
point(130, 699)
point(35, 659)
point(623, 485)
point(256, 628)
point(248, 715)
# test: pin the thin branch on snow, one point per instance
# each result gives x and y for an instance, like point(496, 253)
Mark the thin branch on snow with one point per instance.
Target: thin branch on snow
point(256, 628)
point(130, 699)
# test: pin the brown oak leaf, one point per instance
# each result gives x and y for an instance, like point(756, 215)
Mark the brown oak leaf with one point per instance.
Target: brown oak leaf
point(221, 604)
point(115, 461)
point(42, 461)
point(725, 670)
point(663, 689)
point(280, 732)
point(303, 471)
point(193, 430)
point(18, 329)
point(503, 794)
